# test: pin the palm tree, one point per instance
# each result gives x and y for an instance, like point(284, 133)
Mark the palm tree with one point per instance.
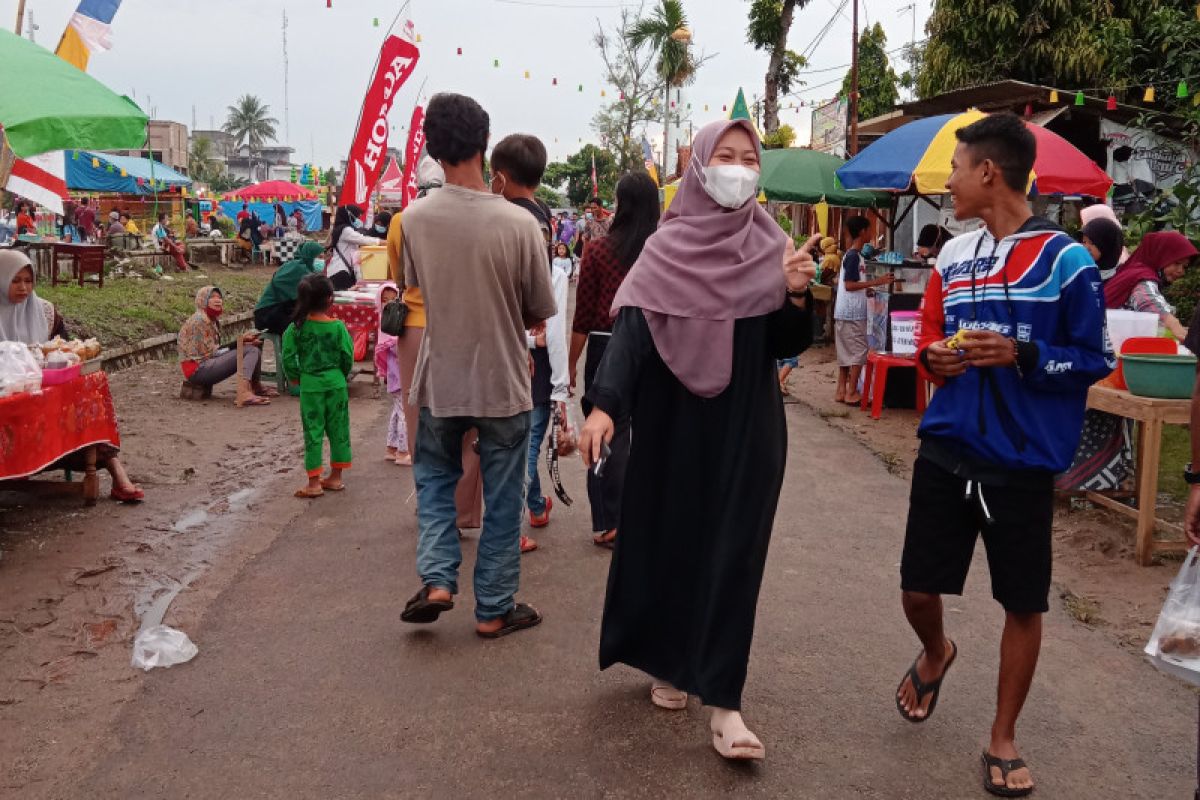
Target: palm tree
point(249, 124)
point(665, 30)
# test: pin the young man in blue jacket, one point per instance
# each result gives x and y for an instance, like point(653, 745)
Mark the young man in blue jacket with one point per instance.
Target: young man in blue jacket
point(1012, 330)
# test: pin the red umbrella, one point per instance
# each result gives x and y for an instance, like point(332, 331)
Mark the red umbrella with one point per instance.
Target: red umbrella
point(271, 189)
point(1061, 168)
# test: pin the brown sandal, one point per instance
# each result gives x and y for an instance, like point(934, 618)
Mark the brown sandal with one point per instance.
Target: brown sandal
point(308, 494)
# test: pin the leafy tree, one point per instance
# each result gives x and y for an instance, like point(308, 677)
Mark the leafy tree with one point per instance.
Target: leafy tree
point(631, 70)
point(549, 196)
point(781, 137)
point(203, 165)
point(249, 123)
point(665, 32)
point(330, 178)
point(226, 182)
point(770, 23)
point(576, 174)
point(877, 81)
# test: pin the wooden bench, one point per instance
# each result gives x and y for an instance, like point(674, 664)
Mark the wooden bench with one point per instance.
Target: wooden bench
point(224, 247)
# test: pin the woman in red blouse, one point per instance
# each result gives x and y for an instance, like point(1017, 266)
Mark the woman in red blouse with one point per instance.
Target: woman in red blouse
point(606, 262)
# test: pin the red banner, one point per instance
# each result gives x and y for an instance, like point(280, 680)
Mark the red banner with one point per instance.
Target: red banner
point(412, 155)
point(397, 60)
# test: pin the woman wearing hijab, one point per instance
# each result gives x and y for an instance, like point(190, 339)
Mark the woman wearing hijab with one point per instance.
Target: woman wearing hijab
point(206, 363)
point(716, 296)
point(344, 241)
point(379, 227)
point(604, 267)
point(1090, 214)
point(1104, 458)
point(25, 317)
point(1105, 240)
point(273, 312)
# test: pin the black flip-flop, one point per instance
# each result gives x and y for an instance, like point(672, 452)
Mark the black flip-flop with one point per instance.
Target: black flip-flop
point(518, 618)
point(1005, 766)
point(922, 689)
point(421, 610)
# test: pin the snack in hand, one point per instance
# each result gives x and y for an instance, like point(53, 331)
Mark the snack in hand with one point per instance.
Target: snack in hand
point(955, 342)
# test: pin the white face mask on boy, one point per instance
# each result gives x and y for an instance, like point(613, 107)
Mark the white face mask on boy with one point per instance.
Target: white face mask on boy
point(730, 185)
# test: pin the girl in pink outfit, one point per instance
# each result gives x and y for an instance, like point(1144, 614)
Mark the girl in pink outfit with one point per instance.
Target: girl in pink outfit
point(387, 363)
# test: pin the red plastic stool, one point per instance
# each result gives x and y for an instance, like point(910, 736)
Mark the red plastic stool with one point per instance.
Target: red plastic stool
point(875, 376)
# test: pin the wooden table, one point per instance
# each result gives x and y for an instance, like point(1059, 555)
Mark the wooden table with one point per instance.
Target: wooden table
point(1151, 414)
point(225, 247)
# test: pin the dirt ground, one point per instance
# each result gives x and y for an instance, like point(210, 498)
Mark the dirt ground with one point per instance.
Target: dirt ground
point(1094, 573)
point(75, 581)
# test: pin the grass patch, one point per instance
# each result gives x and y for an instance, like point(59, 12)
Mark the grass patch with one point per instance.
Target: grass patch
point(1081, 609)
point(128, 310)
point(1176, 452)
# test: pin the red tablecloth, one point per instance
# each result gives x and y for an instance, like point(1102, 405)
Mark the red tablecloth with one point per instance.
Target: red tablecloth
point(38, 429)
point(358, 316)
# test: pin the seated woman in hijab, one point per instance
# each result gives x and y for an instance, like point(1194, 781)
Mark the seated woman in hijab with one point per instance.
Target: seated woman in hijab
point(718, 293)
point(25, 317)
point(273, 312)
point(248, 237)
point(205, 362)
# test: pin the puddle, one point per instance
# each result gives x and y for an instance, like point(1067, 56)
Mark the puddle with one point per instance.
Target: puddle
point(192, 519)
point(240, 500)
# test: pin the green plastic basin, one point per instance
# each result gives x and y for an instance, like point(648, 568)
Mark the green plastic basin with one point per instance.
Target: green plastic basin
point(1165, 376)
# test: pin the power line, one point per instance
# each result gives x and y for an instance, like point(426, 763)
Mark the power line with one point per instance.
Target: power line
point(584, 6)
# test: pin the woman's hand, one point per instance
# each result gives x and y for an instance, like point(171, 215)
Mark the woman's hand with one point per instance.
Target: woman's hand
point(799, 268)
point(597, 430)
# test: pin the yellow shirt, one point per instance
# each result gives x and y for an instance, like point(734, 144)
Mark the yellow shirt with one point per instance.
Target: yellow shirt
point(412, 295)
point(131, 227)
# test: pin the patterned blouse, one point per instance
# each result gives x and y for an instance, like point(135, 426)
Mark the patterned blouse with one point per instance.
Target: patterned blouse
point(600, 275)
point(199, 338)
point(1147, 297)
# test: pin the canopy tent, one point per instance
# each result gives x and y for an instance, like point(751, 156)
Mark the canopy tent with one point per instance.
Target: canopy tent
point(47, 104)
point(915, 158)
point(272, 192)
point(309, 209)
point(104, 172)
point(391, 184)
point(799, 175)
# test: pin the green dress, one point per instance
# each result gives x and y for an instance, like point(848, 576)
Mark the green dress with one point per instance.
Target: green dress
point(320, 354)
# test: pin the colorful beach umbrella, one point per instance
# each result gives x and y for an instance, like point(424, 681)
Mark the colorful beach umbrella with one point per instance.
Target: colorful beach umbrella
point(916, 158)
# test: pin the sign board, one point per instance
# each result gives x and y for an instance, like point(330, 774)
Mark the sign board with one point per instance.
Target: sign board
point(829, 127)
point(1141, 163)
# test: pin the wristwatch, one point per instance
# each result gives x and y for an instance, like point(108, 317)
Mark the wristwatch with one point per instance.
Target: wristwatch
point(800, 295)
point(1192, 478)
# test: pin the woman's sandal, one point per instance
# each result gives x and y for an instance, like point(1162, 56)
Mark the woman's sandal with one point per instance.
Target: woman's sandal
point(1005, 766)
point(252, 400)
point(606, 543)
point(308, 494)
point(131, 495)
point(403, 460)
point(747, 747)
point(266, 391)
point(329, 486)
point(923, 689)
point(667, 696)
point(518, 618)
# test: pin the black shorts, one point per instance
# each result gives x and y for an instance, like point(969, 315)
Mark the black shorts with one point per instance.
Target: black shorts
point(943, 523)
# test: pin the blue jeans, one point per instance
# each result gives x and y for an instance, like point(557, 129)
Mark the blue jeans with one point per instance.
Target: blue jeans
point(437, 466)
point(534, 499)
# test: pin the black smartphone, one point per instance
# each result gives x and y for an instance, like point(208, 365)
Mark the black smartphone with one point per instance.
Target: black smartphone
point(605, 452)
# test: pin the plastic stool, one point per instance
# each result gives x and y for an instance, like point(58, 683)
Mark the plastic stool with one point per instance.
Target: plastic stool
point(276, 342)
point(875, 376)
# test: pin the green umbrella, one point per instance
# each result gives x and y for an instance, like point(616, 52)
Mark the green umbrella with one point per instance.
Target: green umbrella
point(797, 175)
point(47, 104)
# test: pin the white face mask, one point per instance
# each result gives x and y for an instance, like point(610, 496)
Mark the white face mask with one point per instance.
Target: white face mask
point(730, 185)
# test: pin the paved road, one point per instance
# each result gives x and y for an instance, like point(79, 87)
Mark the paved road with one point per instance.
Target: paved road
point(308, 686)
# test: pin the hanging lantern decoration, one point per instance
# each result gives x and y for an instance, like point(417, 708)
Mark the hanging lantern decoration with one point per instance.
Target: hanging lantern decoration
point(1111, 105)
point(581, 87)
point(74, 155)
point(95, 163)
point(1181, 91)
point(1196, 99)
point(1054, 95)
point(124, 174)
point(460, 51)
point(620, 95)
point(418, 38)
point(375, 22)
point(108, 168)
point(724, 108)
point(1148, 97)
point(1079, 99)
point(554, 81)
point(706, 106)
point(1028, 110)
point(526, 74)
point(602, 93)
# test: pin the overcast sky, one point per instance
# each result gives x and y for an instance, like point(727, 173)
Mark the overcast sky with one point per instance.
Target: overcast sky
point(174, 56)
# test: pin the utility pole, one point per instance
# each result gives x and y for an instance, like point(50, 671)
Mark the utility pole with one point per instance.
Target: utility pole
point(854, 85)
point(287, 129)
point(33, 27)
point(20, 16)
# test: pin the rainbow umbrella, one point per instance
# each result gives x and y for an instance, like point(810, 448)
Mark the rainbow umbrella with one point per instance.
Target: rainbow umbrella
point(916, 158)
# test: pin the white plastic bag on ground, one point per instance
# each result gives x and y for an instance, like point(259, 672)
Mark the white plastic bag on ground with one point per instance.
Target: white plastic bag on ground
point(161, 646)
point(1174, 647)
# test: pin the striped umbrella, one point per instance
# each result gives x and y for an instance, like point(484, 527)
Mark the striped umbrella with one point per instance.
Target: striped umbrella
point(916, 158)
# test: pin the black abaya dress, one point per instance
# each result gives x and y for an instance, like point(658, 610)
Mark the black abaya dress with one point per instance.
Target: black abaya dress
point(701, 489)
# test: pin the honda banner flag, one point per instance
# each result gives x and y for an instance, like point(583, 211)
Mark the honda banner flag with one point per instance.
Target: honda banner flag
point(397, 60)
point(412, 155)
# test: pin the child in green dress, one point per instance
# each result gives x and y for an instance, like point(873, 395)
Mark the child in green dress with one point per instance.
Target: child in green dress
point(318, 351)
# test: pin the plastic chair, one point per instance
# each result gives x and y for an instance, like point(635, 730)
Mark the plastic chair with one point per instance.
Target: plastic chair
point(276, 342)
point(1142, 345)
point(875, 377)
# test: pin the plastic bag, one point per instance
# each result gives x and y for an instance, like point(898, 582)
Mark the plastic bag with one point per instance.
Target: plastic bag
point(19, 371)
point(162, 646)
point(568, 432)
point(360, 337)
point(1174, 647)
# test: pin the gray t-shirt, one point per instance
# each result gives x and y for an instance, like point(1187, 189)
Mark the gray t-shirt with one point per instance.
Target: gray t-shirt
point(480, 263)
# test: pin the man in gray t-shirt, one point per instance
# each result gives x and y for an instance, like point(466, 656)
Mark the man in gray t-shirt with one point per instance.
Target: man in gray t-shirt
point(483, 284)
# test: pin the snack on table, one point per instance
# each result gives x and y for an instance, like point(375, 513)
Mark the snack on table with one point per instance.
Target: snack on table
point(1179, 644)
point(84, 350)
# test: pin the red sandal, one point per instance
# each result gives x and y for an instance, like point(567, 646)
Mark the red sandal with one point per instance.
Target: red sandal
point(130, 495)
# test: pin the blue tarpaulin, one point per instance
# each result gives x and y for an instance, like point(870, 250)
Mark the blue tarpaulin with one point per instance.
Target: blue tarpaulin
point(309, 209)
point(103, 172)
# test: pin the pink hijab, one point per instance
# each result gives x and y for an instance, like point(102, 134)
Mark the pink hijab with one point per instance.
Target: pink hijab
point(703, 269)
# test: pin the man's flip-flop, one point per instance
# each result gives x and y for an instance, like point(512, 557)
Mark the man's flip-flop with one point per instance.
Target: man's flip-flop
point(518, 618)
point(923, 689)
point(421, 610)
point(1005, 766)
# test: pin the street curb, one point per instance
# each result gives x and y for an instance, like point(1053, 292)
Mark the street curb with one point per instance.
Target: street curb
point(159, 347)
